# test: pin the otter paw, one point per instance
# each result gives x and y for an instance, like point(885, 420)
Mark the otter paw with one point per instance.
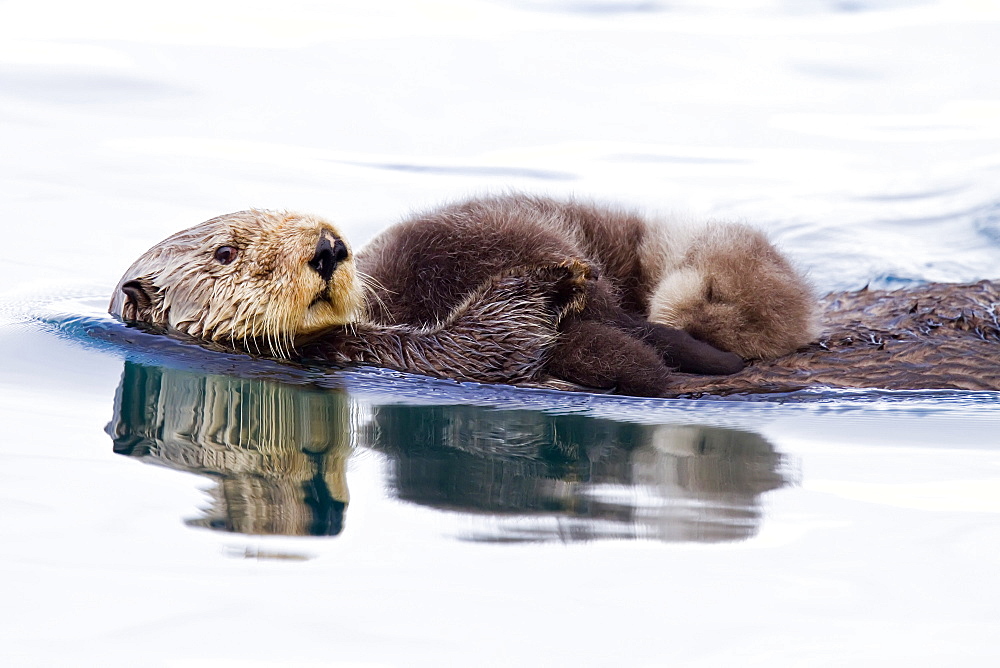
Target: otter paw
point(568, 280)
point(579, 269)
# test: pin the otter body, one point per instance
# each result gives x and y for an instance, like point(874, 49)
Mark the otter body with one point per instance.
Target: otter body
point(722, 282)
point(661, 298)
point(532, 291)
point(511, 290)
point(285, 284)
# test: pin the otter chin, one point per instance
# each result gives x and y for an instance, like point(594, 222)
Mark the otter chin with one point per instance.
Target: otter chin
point(256, 276)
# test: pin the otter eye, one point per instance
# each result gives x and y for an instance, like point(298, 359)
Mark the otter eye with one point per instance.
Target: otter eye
point(226, 254)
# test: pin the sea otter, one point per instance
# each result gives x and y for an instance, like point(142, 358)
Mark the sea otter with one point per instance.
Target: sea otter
point(520, 290)
point(513, 289)
point(264, 282)
point(723, 283)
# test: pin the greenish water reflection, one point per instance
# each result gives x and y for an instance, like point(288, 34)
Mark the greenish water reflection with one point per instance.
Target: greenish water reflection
point(279, 455)
point(277, 452)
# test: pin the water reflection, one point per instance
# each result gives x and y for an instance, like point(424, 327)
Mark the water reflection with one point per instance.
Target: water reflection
point(573, 477)
point(279, 454)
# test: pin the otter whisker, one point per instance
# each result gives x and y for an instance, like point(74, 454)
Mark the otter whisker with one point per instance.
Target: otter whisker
point(371, 287)
point(277, 329)
point(368, 280)
point(279, 343)
point(246, 325)
point(284, 334)
point(269, 336)
point(254, 331)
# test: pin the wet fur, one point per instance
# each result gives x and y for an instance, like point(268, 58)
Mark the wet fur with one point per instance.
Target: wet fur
point(512, 289)
point(724, 283)
point(537, 292)
point(270, 301)
point(935, 336)
point(264, 298)
point(653, 286)
point(502, 332)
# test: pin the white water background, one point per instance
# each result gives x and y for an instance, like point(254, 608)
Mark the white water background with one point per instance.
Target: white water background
point(863, 135)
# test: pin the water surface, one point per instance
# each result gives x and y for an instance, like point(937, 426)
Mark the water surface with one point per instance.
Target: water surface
point(165, 505)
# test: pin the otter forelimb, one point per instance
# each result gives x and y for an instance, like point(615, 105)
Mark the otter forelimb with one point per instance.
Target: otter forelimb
point(504, 332)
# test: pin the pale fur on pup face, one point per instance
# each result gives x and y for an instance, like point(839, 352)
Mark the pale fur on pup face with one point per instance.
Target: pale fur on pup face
point(243, 277)
point(726, 283)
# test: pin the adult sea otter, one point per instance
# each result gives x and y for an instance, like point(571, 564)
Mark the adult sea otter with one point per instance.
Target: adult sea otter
point(532, 291)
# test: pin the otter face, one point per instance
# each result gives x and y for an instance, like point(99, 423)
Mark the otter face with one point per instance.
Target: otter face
point(736, 291)
point(258, 276)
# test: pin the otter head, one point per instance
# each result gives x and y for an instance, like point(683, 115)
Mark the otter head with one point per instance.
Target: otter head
point(259, 278)
point(734, 290)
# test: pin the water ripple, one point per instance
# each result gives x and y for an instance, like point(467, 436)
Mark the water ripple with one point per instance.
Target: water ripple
point(85, 322)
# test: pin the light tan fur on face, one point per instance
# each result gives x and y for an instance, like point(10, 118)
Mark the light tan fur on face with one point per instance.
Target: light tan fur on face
point(726, 284)
point(269, 294)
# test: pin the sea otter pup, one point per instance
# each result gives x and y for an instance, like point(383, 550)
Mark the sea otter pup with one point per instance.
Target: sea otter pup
point(513, 289)
point(724, 283)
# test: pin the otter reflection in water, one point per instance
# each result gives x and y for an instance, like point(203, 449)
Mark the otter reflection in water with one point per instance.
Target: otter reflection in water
point(571, 477)
point(279, 455)
point(278, 452)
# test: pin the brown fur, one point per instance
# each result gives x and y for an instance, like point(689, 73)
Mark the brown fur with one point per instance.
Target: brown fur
point(267, 294)
point(502, 332)
point(739, 294)
point(937, 336)
point(506, 290)
point(735, 290)
point(533, 291)
point(271, 300)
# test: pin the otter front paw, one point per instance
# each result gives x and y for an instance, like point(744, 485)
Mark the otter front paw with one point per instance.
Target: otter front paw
point(689, 355)
point(568, 282)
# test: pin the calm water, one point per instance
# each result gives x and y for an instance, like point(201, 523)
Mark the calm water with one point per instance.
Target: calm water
point(162, 505)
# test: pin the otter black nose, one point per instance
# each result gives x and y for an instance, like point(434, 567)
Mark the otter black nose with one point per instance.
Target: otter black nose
point(328, 256)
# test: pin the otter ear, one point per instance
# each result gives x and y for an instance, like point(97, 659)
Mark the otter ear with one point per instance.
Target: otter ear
point(138, 300)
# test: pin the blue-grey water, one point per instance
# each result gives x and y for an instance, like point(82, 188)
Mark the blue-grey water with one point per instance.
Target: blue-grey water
point(164, 505)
